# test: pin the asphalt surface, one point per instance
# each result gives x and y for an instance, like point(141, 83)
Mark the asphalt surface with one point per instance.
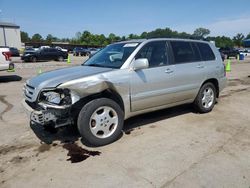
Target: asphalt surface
point(175, 147)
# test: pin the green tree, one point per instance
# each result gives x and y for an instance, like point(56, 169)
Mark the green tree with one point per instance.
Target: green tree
point(24, 37)
point(85, 38)
point(238, 39)
point(123, 38)
point(50, 38)
point(111, 38)
point(200, 33)
point(37, 38)
point(223, 41)
point(184, 35)
point(133, 36)
point(144, 35)
point(248, 36)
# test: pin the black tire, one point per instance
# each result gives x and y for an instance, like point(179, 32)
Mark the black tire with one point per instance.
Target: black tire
point(87, 54)
point(84, 122)
point(60, 58)
point(34, 59)
point(199, 104)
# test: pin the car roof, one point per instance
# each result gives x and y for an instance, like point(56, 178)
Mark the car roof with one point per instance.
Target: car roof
point(160, 39)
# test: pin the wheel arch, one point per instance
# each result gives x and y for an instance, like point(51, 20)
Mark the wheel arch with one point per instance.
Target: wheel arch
point(107, 93)
point(215, 82)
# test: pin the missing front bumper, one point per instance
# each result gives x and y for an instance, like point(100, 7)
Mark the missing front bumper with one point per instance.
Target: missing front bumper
point(47, 117)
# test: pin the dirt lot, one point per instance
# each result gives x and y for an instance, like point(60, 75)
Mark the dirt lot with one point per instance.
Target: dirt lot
point(171, 148)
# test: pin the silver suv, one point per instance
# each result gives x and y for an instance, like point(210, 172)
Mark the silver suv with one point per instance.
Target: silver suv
point(123, 80)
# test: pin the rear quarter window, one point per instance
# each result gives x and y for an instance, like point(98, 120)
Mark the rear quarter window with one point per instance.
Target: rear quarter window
point(184, 52)
point(206, 52)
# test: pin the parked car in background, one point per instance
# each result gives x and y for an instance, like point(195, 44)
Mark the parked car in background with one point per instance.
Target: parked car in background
point(245, 52)
point(223, 56)
point(14, 52)
point(5, 59)
point(28, 50)
point(93, 51)
point(44, 54)
point(229, 52)
point(79, 51)
point(60, 48)
point(123, 80)
point(42, 47)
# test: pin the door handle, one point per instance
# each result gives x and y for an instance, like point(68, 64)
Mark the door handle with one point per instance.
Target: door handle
point(168, 71)
point(200, 66)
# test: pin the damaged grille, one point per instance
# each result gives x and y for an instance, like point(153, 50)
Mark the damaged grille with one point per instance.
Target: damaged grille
point(28, 92)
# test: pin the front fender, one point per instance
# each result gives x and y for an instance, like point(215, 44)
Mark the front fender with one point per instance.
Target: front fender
point(85, 87)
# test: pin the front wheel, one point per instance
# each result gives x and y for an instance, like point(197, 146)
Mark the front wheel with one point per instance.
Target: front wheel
point(100, 121)
point(33, 59)
point(60, 58)
point(205, 100)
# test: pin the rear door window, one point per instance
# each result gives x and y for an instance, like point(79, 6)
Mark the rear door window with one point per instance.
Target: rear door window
point(184, 52)
point(206, 52)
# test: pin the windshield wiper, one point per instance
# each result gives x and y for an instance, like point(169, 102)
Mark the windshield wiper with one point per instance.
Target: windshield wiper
point(94, 65)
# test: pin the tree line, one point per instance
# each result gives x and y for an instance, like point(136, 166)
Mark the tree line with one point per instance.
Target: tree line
point(90, 39)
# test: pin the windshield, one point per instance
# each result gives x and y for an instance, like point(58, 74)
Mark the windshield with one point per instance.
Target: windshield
point(113, 56)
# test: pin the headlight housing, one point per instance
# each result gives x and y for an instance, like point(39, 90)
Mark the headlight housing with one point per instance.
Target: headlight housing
point(53, 97)
point(58, 97)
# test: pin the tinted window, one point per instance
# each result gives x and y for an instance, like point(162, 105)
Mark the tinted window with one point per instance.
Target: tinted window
point(155, 52)
point(206, 52)
point(53, 50)
point(184, 52)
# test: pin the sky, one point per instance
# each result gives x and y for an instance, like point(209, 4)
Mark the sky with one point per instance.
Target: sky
point(63, 18)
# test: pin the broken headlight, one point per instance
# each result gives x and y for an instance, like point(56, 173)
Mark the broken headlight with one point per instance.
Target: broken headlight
point(53, 97)
point(59, 97)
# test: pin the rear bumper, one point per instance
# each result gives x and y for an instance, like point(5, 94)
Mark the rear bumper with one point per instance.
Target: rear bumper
point(222, 83)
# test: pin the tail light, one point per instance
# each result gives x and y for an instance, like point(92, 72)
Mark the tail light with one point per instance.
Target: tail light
point(7, 56)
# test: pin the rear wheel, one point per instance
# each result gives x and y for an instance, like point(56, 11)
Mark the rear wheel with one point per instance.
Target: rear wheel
point(100, 121)
point(206, 98)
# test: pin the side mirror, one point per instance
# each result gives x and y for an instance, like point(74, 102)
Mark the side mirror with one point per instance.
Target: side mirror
point(141, 63)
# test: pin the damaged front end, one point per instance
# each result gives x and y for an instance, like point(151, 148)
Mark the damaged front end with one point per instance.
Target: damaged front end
point(52, 107)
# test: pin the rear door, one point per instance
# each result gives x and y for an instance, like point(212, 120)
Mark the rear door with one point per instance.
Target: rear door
point(214, 67)
point(188, 70)
point(54, 53)
point(44, 54)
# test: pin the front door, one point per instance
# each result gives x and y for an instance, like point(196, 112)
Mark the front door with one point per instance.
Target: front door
point(149, 87)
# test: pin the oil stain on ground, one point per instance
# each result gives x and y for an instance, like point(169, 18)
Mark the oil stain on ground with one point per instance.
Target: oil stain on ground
point(8, 108)
point(77, 154)
point(44, 147)
point(18, 159)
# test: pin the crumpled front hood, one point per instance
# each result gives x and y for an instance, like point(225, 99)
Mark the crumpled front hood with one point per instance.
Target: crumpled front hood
point(54, 78)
